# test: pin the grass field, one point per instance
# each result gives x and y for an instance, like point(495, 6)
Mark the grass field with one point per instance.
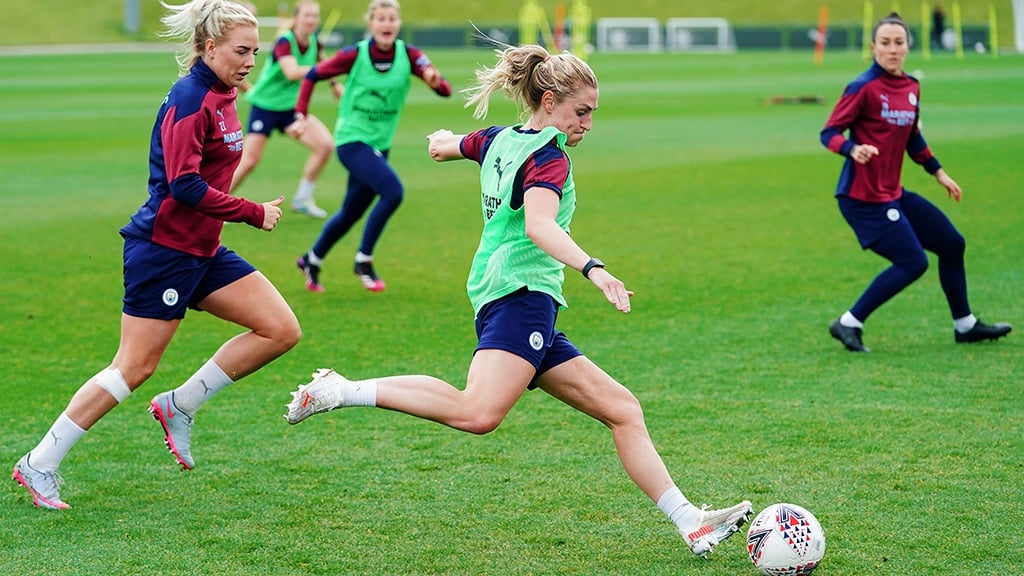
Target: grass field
point(715, 208)
point(71, 21)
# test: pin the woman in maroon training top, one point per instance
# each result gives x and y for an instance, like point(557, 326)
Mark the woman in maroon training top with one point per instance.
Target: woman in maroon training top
point(173, 258)
point(880, 108)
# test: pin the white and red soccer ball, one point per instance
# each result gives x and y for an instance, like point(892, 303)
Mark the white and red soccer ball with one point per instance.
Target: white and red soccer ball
point(785, 540)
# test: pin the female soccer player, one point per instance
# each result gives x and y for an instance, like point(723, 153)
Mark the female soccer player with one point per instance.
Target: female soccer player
point(173, 258)
point(378, 72)
point(880, 109)
point(273, 97)
point(515, 285)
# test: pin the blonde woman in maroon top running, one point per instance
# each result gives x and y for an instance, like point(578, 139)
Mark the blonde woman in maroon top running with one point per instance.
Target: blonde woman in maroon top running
point(173, 258)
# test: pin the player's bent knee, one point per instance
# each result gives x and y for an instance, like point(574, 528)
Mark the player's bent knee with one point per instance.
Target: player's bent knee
point(956, 246)
point(917, 267)
point(625, 410)
point(249, 161)
point(288, 336)
point(481, 424)
point(283, 332)
point(136, 374)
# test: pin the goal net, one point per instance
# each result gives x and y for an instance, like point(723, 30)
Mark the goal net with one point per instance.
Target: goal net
point(699, 35)
point(678, 35)
point(1018, 26)
point(628, 34)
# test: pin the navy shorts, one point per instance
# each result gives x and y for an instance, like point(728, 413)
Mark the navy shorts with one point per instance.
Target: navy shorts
point(872, 220)
point(262, 121)
point(523, 323)
point(162, 283)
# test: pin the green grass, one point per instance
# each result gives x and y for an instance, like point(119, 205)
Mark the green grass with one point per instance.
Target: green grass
point(716, 209)
point(67, 21)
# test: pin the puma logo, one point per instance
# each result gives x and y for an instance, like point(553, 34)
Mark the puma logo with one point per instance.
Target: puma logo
point(500, 170)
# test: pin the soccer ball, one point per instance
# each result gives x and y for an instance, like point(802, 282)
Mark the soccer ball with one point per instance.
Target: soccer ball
point(785, 540)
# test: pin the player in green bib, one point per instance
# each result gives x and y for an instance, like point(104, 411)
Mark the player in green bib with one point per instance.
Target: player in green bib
point(273, 97)
point(378, 72)
point(527, 199)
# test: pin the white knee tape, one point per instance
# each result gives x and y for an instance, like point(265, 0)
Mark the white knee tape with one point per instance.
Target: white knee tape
point(110, 379)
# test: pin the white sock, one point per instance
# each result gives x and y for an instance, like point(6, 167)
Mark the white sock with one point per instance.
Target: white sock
point(361, 258)
point(850, 321)
point(359, 393)
point(965, 324)
point(679, 510)
point(55, 445)
point(314, 259)
point(304, 191)
point(200, 387)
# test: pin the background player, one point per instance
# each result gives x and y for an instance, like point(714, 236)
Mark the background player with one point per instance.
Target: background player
point(880, 109)
point(378, 70)
point(273, 97)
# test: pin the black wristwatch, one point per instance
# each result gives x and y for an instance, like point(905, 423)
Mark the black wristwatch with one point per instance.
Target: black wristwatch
point(590, 265)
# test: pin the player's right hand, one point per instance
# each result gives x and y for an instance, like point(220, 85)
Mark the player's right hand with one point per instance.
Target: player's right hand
point(437, 140)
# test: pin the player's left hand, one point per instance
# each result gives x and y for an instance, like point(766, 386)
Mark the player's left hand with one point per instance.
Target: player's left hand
point(296, 129)
point(952, 188)
point(272, 213)
point(613, 288)
point(431, 76)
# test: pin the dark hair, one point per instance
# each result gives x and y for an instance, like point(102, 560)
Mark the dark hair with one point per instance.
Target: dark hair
point(892, 18)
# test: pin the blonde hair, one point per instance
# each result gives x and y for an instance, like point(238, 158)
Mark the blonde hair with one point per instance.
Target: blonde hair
point(289, 23)
point(525, 73)
point(200, 20)
point(381, 4)
point(301, 3)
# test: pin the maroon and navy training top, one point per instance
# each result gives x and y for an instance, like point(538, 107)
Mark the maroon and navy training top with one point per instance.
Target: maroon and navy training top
point(548, 167)
point(194, 149)
point(882, 110)
point(283, 47)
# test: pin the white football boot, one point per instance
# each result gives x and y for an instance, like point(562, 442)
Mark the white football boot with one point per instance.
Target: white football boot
point(43, 486)
point(322, 394)
point(715, 526)
point(177, 428)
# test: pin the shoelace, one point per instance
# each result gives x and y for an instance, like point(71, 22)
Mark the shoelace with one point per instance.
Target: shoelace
point(50, 482)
